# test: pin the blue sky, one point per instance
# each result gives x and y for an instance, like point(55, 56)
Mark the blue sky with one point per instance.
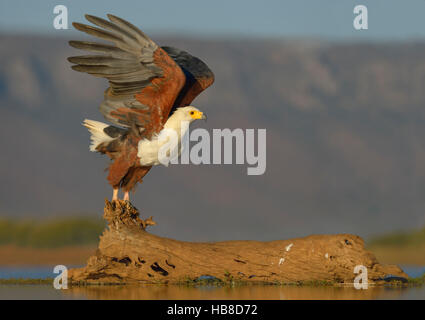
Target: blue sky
point(331, 19)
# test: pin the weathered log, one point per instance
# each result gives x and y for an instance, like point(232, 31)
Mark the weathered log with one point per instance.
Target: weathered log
point(127, 253)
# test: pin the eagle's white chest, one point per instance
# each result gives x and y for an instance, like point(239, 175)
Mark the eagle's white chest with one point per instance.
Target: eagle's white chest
point(149, 150)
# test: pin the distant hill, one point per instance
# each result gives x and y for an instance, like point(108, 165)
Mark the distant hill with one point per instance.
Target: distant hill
point(345, 139)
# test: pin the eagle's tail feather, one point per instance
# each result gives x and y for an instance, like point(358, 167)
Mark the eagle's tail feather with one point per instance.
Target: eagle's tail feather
point(98, 135)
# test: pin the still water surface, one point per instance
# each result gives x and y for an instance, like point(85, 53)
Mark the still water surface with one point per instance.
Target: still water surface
point(153, 292)
point(255, 292)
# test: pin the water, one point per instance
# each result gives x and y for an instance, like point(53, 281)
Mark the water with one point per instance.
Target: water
point(413, 271)
point(252, 292)
point(154, 292)
point(31, 272)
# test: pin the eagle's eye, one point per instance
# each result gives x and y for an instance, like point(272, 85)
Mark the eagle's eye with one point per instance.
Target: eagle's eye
point(192, 112)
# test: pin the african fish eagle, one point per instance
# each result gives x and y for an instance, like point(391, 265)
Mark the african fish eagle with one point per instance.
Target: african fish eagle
point(150, 89)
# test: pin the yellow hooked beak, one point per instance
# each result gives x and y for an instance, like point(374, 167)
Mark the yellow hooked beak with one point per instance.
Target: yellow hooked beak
point(198, 115)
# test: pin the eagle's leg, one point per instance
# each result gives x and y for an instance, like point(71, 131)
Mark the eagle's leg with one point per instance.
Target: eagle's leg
point(115, 194)
point(126, 196)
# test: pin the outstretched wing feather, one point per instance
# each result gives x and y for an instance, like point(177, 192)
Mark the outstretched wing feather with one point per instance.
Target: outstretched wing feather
point(108, 50)
point(198, 75)
point(130, 28)
point(144, 80)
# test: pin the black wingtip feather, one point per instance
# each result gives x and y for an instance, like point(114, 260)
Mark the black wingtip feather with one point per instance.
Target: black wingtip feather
point(80, 26)
point(75, 44)
point(111, 16)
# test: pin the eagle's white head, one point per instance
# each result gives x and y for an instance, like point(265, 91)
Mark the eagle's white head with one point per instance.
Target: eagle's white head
point(188, 113)
point(177, 123)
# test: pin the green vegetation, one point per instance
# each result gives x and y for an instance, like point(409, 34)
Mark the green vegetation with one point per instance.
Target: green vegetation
point(215, 282)
point(419, 281)
point(400, 238)
point(411, 282)
point(21, 281)
point(51, 233)
point(229, 281)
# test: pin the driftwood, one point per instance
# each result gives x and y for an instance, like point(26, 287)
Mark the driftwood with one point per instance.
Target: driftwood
point(127, 253)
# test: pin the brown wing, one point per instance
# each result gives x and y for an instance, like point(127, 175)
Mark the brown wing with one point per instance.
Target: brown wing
point(144, 80)
point(198, 75)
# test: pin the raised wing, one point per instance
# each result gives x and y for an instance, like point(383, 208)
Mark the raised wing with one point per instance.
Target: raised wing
point(198, 75)
point(144, 81)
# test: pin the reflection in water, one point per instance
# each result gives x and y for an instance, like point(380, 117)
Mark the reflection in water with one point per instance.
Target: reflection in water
point(254, 292)
point(162, 292)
